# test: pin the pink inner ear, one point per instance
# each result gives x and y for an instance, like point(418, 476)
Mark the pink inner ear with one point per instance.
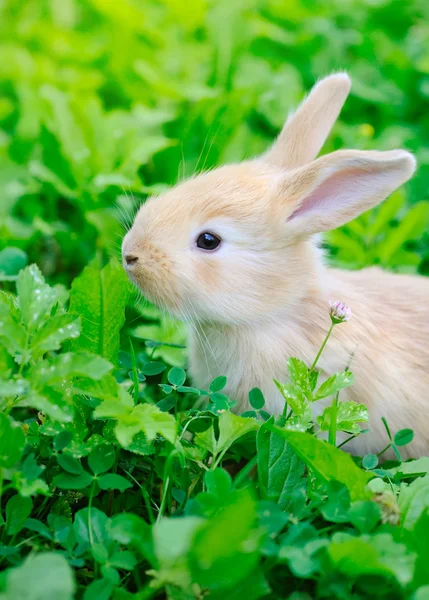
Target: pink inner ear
point(338, 191)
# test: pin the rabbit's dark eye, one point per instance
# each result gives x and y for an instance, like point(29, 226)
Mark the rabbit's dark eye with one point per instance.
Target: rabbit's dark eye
point(208, 241)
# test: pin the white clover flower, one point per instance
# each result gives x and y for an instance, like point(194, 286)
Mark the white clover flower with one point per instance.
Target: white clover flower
point(339, 312)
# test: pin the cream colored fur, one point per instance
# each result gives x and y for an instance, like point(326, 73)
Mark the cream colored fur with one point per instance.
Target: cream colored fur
point(263, 295)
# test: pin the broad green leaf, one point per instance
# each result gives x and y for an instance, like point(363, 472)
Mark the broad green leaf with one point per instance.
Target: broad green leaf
point(176, 376)
point(44, 576)
point(228, 544)
point(413, 500)
point(280, 470)
point(334, 384)
point(35, 297)
point(365, 515)
point(101, 589)
point(328, 462)
point(12, 442)
point(101, 459)
point(66, 481)
point(70, 464)
point(218, 384)
point(17, 511)
point(112, 481)
point(371, 555)
point(99, 297)
point(172, 543)
point(130, 529)
point(12, 260)
point(153, 368)
point(348, 415)
point(256, 398)
point(370, 461)
point(403, 437)
point(232, 427)
point(123, 560)
point(91, 518)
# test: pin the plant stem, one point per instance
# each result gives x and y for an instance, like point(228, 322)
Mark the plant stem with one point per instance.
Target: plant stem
point(385, 449)
point(333, 424)
point(135, 374)
point(325, 341)
point(91, 496)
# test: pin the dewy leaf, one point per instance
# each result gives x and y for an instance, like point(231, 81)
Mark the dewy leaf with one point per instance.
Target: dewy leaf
point(35, 297)
point(328, 462)
point(334, 384)
point(42, 576)
point(12, 442)
point(54, 332)
point(299, 375)
point(349, 414)
point(280, 470)
point(99, 296)
point(293, 396)
point(12, 333)
point(70, 364)
point(146, 418)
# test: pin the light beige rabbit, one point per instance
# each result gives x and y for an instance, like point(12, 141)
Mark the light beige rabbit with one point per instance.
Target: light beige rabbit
point(234, 252)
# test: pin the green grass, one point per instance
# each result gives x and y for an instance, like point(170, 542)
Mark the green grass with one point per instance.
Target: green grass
point(118, 479)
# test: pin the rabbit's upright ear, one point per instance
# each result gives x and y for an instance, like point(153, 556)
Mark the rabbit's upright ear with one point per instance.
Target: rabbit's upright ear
point(305, 132)
point(338, 187)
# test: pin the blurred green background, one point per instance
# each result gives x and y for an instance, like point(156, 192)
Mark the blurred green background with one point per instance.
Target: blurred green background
point(104, 102)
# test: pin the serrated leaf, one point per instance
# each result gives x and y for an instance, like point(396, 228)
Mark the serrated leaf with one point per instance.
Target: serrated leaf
point(294, 397)
point(348, 415)
point(335, 383)
point(99, 296)
point(12, 333)
point(35, 297)
point(54, 332)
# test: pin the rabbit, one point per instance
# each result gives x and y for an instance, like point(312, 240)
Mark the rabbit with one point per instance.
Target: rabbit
point(236, 253)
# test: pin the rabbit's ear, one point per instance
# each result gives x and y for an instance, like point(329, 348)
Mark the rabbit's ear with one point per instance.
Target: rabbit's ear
point(338, 187)
point(305, 132)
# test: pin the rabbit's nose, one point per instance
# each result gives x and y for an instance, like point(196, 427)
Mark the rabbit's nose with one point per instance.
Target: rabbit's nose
point(130, 259)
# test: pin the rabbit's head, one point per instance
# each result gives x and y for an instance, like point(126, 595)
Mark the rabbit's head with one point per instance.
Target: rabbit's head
point(236, 244)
